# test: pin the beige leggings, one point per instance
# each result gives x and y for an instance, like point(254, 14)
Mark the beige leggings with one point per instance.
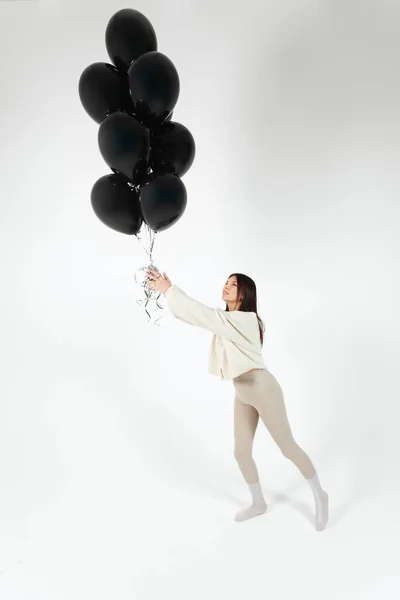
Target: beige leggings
point(258, 394)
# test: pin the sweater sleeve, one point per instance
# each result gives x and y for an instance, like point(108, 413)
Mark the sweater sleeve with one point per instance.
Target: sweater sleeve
point(189, 310)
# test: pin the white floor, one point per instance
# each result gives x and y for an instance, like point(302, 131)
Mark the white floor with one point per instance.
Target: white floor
point(93, 519)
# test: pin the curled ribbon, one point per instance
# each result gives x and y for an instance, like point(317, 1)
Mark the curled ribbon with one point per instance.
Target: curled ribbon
point(151, 296)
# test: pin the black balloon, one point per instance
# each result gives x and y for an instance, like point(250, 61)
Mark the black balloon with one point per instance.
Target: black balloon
point(129, 34)
point(104, 90)
point(154, 84)
point(117, 204)
point(172, 149)
point(125, 145)
point(163, 201)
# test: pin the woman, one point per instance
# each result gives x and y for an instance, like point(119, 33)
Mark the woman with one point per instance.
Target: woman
point(235, 354)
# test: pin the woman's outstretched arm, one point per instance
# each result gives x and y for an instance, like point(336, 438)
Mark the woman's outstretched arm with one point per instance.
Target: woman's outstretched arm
point(191, 311)
point(195, 313)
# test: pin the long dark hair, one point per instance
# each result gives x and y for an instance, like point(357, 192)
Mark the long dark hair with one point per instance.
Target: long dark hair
point(246, 289)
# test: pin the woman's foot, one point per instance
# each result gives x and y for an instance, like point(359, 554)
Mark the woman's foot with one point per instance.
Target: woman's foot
point(321, 502)
point(257, 508)
point(322, 511)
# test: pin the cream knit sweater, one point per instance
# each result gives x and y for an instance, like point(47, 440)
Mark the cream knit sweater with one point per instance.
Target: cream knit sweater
point(235, 346)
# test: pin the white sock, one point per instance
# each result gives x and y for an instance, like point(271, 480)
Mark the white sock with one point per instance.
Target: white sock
point(321, 503)
point(258, 506)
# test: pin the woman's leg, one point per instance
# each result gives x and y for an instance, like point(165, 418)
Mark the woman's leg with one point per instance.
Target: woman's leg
point(267, 397)
point(245, 424)
point(271, 406)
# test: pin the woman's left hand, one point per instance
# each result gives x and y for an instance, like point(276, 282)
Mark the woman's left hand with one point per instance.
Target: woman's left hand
point(157, 281)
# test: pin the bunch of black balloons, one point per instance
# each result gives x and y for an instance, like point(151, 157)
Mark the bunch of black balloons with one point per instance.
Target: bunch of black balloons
point(132, 100)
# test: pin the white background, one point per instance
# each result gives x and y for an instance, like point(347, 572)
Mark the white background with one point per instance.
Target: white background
point(117, 475)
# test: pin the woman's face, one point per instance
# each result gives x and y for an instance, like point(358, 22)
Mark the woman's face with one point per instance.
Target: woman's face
point(229, 292)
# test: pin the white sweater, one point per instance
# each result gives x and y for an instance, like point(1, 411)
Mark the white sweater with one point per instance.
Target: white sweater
point(235, 346)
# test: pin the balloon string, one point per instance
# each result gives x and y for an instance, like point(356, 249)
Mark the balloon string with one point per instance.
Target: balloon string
point(148, 248)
